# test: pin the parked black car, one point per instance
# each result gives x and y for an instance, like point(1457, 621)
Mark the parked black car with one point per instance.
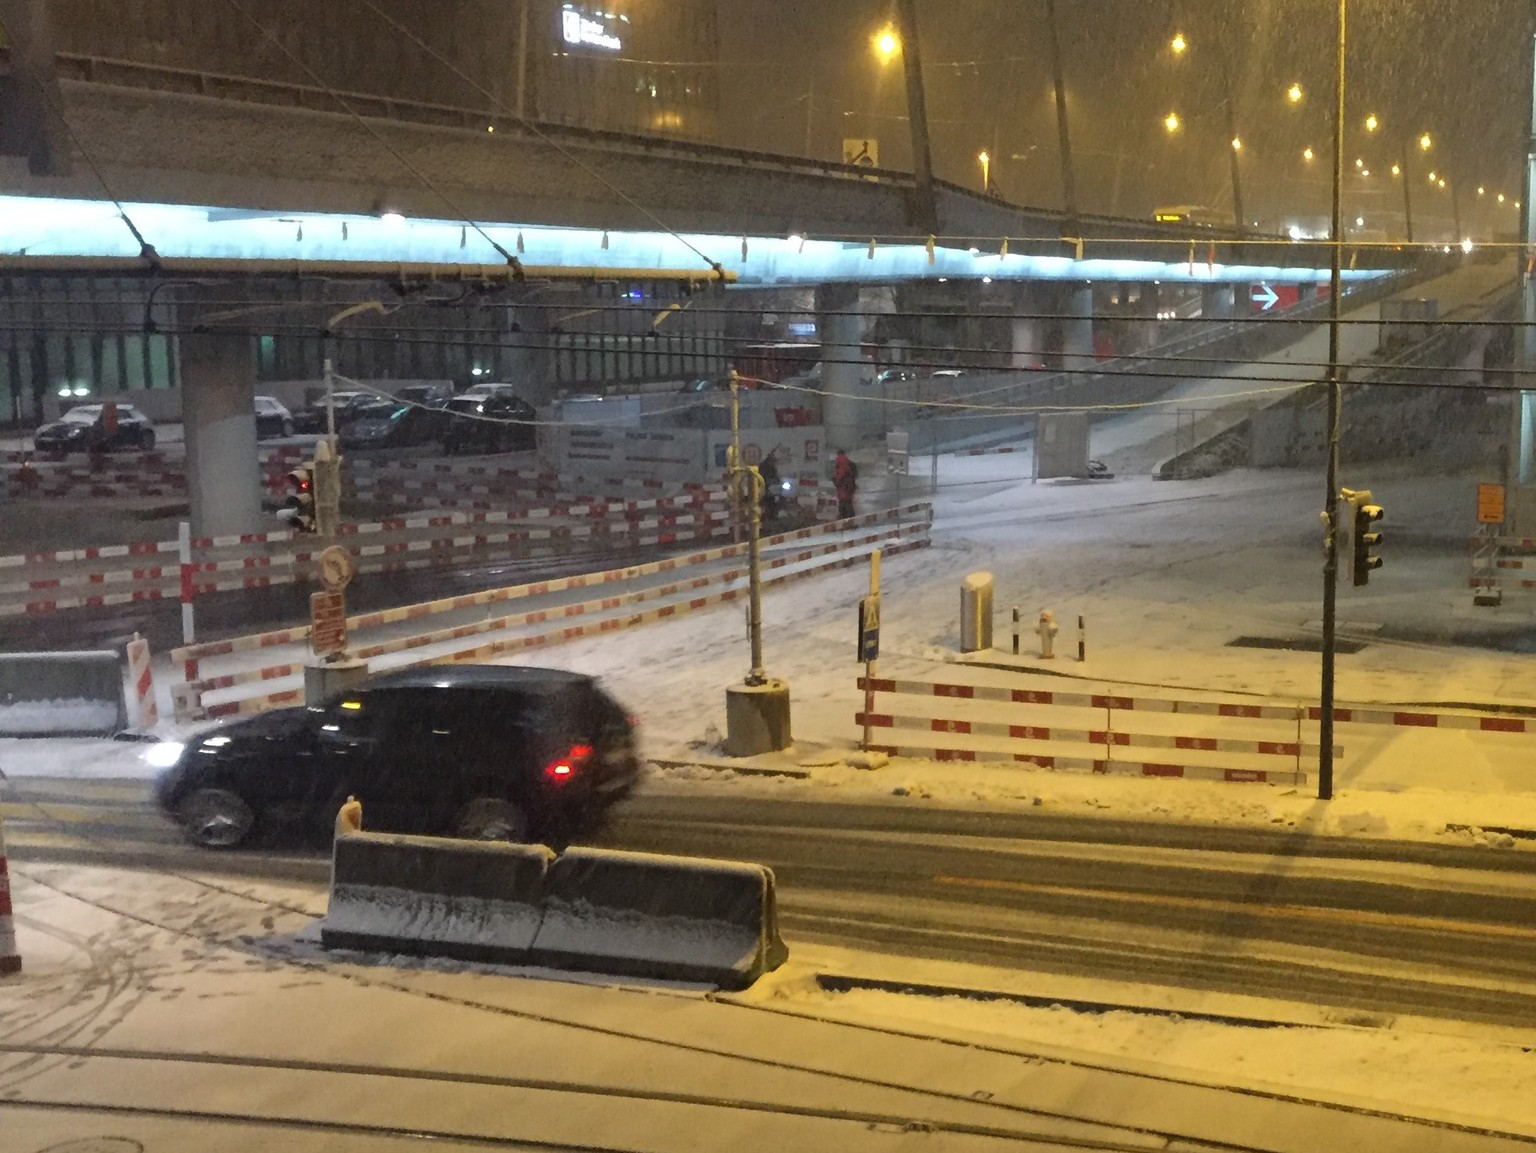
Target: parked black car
point(388, 424)
point(489, 418)
point(348, 405)
point(484, 751)
point(272, 418)
point(91, 428)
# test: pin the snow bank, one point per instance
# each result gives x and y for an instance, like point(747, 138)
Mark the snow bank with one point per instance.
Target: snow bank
point(60, 716)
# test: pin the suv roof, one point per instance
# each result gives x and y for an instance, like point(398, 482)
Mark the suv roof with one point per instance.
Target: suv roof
point(477, 677)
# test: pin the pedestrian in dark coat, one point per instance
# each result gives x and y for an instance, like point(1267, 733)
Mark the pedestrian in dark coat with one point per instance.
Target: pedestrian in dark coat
point(845, 480)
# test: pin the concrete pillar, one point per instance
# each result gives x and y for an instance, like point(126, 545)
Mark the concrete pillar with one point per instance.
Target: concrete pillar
point(1077, 329)
point(1218, 301)
point(529, 359)
point(218, 412)
point(1028, 339)
point(31, 116)
point(846, 415)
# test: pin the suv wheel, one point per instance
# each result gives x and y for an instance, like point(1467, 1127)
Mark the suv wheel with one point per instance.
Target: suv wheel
point(216, 818)
point(490, 819)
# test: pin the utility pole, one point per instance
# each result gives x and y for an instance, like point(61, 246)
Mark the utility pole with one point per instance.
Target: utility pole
point(810, 105)
point(1518, 457)
point(925, 208)
point(757, 710)
point(1335, 413)
point(1407, 198)
point(1063, 132)
point(522, 59)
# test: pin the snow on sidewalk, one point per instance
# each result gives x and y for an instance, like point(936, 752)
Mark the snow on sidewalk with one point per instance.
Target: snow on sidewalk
point(152, 995)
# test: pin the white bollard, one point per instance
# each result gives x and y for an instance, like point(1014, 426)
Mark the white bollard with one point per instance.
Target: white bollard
point(1047, 630)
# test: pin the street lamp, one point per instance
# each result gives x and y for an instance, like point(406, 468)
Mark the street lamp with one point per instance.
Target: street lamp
point(1237, 144)
point(1426, 142)
point(986, 170)
point(1172, 122)
point(1178, 44)
point(1308, 155)
point(1371, 123)
point(886, 44)
point(1294, 94)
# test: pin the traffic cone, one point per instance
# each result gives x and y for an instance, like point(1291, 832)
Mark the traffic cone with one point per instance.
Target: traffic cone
point(10, 959)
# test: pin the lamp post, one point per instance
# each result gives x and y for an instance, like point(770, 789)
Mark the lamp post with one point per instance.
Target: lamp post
point(1179, 45)
point(985, 160)
point(1063, 130)
point(1335, 413)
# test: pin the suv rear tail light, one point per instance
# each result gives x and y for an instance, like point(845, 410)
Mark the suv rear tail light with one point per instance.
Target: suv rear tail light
point(563, 769)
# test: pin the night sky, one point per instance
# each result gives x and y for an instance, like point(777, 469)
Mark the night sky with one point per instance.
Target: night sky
point(1457, 69)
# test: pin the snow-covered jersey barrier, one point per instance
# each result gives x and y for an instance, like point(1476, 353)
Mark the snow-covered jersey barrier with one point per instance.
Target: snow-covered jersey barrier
point(632, 914)
point(62, 694)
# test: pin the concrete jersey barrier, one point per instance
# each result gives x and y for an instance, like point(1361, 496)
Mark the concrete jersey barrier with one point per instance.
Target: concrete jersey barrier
point(62, 694)
point(632, 914)
point(431, 896)
point(677, 918)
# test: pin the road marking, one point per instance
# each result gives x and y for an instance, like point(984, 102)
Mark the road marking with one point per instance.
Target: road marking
point(1210, 904)
point(47, 812)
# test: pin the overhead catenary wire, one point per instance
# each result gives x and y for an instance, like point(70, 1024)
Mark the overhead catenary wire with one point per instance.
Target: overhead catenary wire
point(427, 182)
point(951, 358)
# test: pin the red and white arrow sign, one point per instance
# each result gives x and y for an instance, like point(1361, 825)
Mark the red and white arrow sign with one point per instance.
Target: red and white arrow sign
point(1265, 297)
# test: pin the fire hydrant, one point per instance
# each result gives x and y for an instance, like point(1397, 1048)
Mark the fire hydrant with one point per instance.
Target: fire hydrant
point(1047, 629)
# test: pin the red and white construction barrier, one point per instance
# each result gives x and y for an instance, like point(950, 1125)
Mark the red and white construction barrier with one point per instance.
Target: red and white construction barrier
point(10, 959)
point(189, 697)
point(1108, 739)
point(141, 682)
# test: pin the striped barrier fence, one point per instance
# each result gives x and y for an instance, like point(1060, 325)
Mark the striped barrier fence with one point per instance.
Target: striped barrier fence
point(190, 656)
point(1110, 738)
point(147, 571)
point(902, 538)
point(10, 957)
point(1016, 733)
point(196, 689)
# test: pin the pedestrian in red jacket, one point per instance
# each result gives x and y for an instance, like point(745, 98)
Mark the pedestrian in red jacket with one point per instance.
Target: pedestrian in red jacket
point(845, 480)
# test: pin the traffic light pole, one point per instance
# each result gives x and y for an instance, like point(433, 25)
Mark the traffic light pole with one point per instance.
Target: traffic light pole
point(1335, 407)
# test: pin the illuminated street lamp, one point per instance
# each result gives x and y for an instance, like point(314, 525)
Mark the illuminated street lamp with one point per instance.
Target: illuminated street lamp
point(1237, 144)
point(1397, 170)
point(1294, 94)
point(986, 170)
point(886, 44)
point(1308, 155)
point(1426, 142)
point(1178, 44)
point(1371, 123)
point(1172, 122)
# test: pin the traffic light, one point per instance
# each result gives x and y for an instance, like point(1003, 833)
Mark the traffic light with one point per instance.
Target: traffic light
point(1364, 538)
point(299, 508)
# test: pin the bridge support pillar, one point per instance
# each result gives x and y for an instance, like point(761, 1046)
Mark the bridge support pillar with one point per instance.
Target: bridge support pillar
point(528, 358)
point(1077, 328)
point(218, 412)
point(1028, 346)
point(1218, 302)
point(844, 411)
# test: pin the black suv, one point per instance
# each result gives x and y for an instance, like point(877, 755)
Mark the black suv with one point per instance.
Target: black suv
point(489, 418)
point(484, 751)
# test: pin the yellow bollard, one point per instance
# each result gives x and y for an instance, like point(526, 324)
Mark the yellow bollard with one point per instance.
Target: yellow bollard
point(349, 818)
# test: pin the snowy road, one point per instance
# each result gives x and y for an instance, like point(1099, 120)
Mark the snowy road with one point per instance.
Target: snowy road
point(1375, 927)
